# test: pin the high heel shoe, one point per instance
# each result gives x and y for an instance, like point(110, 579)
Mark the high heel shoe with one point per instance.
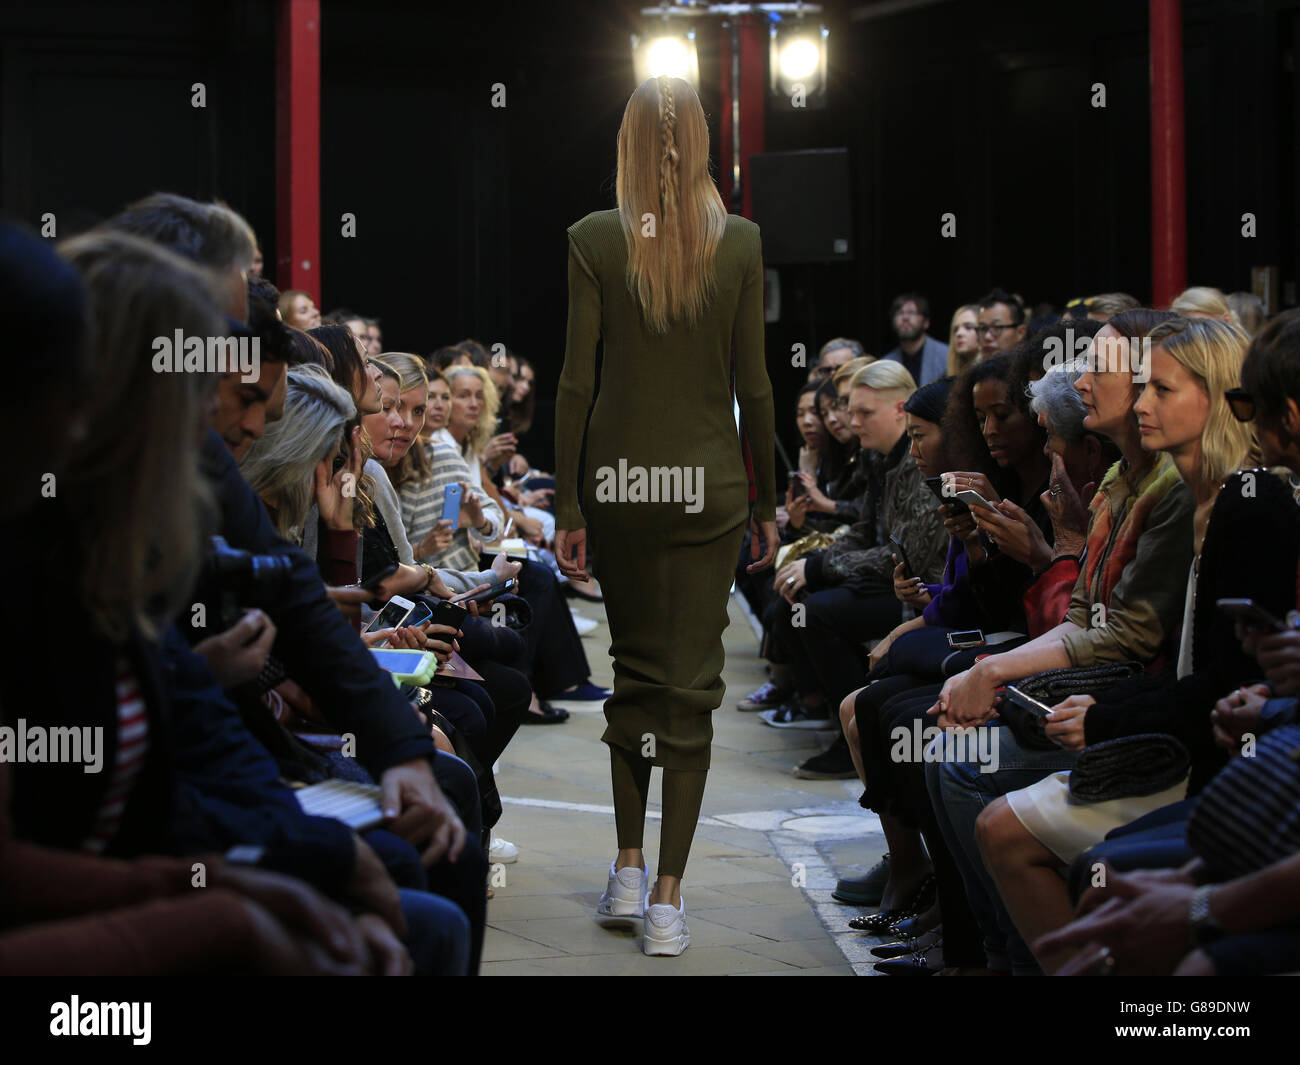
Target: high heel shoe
point(878, 923)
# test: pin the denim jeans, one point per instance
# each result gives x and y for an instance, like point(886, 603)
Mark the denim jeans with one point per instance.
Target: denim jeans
point(959, 792)
point(437, 934)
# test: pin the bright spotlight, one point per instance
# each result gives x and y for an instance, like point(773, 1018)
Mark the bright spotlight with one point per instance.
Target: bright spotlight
point(797, 63)
point(668, 53)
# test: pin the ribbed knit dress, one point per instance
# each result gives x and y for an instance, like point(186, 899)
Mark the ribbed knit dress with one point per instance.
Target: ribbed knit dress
point(664, 402)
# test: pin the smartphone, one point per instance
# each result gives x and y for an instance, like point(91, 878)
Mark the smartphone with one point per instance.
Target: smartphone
point(451, 500)
point(420, 613)
point(448, 613)
point(406, 666)
point(501, 588)
point(972, 498)
point(1027, 702)
point(935, 484)
point(965, 638)
point(393, 614)
point(372, 583)
point(1250, 614)
point(796, 485)
point(902, 555)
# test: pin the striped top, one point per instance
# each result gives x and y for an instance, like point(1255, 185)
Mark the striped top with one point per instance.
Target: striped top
point(132, 746)
point(422, 505)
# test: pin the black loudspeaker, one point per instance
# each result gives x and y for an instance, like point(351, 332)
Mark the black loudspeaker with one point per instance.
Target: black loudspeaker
point(801, 203)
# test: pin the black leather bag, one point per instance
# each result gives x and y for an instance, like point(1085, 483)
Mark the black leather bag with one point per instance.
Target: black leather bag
point(1052, 686)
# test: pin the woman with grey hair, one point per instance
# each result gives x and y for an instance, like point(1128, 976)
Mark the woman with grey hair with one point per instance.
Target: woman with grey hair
point(296, 453)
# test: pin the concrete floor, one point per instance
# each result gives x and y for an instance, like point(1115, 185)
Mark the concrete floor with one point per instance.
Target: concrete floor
point(766, 855)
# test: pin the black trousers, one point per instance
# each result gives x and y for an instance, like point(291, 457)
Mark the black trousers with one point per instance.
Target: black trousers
point(555, 655)
point(463, 881)
point(826, 650)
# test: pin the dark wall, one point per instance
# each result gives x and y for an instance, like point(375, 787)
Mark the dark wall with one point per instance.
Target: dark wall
point(978, 109)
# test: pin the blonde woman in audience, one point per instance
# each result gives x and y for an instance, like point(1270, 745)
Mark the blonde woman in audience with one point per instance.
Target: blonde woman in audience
point(963, 340)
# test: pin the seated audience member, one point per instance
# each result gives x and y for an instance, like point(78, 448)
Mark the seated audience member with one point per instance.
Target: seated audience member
point(1203, 301)
point(925, 358)
point(1100, 308)
point(1125, 607)
point(1246, 544)
point(849, 584)
point(832, 356)
point(1000, 323)
point(298, 311)
point(1248, 309)
point(963, 340)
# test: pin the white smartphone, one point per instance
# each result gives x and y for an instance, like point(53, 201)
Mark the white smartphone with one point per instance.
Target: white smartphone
point(393, 614)
point(973, 499)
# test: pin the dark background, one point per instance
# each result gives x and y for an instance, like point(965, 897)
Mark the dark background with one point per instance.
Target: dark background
point(981, 109)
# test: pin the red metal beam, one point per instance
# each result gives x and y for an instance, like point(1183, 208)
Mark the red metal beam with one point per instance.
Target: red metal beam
point(1168, 163)
point(297, 150)
point(753, 104)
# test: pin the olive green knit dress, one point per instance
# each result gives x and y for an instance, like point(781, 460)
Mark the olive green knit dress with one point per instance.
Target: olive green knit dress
point(665, 567)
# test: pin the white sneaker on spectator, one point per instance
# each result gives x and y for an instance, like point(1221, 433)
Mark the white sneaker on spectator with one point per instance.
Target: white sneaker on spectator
point(627, 894)
point(502, 852)
point(665, 929)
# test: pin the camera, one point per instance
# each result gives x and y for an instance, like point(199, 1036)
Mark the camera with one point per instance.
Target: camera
point(235, 580)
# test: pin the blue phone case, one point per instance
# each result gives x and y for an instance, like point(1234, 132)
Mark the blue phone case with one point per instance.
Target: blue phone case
point(451, 505)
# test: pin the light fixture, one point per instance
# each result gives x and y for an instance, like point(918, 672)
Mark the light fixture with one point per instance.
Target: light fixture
point(797, 63)
point(664, 50)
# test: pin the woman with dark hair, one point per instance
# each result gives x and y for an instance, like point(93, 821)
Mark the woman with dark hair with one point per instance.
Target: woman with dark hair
point(668, 303)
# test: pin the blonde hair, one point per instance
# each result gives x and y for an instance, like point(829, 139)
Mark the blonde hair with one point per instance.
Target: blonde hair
point(955, 367)
point(482, 432)
point(414, 465)
point(850, 368)
point(663, 172)
point(1202, 301)
point(1212, 352)
point(885, 375)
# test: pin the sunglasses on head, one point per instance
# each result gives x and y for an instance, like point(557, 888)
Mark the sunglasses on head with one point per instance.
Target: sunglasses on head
point(1241, 403)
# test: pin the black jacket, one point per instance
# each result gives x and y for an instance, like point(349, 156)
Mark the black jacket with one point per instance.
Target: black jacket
point(317, 646)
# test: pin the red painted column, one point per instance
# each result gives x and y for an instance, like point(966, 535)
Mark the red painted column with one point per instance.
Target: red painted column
point(1168, 165)
point(753, 104)
point(297, 147)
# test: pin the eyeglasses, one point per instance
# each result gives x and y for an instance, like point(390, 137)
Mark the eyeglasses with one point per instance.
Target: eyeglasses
point(994, 329)
point(1241, 403)
point(842, 403)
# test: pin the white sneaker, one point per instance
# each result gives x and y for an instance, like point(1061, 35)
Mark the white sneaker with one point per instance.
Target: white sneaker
point(502, 852)
point(584, 625)
point(665, 929)
point(626, 894)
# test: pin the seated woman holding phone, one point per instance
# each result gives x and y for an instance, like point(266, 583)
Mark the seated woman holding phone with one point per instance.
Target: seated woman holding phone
point(1247, 542)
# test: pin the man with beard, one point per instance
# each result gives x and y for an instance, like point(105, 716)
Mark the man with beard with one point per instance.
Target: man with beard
point(925, 358)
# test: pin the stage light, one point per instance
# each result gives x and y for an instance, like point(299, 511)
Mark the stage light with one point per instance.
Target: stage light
point(797, 63)
point(666, 52)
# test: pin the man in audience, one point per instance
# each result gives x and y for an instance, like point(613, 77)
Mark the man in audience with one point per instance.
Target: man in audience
point(1001, 323)
point(925, 358)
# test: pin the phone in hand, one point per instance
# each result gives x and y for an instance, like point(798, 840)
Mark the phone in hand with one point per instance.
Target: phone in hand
point(500, 588)
point(392, 616)
point(1027, 702)
point(451, 501)
point(797, 488)
point(901, 551)
point(962, 639)
point(419, 614)
point(972, 498)
point(935, 484)
point(450, 614)
point(1251, 615)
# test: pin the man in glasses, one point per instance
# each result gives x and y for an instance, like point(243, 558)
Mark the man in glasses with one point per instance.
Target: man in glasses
point(1000, 323)
point(925, 358)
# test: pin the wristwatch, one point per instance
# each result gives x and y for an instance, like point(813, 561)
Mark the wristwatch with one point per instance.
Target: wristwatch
point(1205, 927)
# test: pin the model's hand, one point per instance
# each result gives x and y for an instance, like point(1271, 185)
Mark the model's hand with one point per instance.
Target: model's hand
point(766, 534)
point(571, 553)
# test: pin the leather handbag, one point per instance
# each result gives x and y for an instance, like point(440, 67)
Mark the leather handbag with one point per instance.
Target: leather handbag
point(1052, 686)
